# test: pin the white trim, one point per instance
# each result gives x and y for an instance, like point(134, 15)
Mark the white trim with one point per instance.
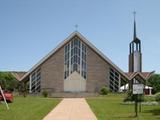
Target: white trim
point(119, 82)
point(69, 58)
point(63, 43)
point(30, 84)
point(81, 58)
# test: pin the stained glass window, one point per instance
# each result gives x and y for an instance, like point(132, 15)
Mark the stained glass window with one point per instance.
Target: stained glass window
point(75, 58)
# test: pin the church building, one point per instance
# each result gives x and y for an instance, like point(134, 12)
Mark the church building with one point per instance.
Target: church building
point(76, 65)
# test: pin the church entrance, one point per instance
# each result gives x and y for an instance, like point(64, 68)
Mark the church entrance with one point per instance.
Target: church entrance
point(75, 66)
point(75, 83)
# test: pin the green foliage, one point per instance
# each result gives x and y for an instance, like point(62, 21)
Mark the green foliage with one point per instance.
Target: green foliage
point(131, 97)
point(22, 88)
point(149, 98)
point(104, 90)
point(45, 94)
point(157, 97)
point(154, 81)
point(8, 81)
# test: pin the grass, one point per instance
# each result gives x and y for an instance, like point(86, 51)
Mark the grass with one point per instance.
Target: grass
point(29, 108)
point(110, 107)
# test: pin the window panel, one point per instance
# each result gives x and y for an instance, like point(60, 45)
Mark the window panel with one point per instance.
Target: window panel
point(72, 60)
point(78, 60)
point(114, 80)
point(79, 52)
point(76, 57)
point(72, 52)
point(36, 81)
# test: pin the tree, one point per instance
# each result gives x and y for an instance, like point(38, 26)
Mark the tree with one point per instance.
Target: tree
point(22, 88)
point(154, 81)
point(8, 81)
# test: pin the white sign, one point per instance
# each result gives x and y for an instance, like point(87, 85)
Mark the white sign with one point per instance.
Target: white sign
point(138, 88)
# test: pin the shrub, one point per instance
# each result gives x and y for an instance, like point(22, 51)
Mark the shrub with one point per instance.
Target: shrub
point(149, 98)
point(104, 90)
point(154, 81)
point(129, 96)
point(157, 97)
point(45, 94)
point(141, 98)
point(132, 97)
point(22, 88)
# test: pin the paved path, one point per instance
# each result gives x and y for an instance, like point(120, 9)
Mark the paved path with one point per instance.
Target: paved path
point(71, 109)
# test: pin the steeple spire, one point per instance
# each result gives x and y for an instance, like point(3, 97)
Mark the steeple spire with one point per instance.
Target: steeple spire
point(134, 35)
point(135, 55)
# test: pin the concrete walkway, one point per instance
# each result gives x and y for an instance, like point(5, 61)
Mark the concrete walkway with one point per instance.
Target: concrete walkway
point(71, 109)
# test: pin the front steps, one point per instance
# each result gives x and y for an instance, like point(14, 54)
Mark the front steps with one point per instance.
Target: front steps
point(73, 95)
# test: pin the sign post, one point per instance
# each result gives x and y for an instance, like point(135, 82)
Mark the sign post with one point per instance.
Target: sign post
point(4, 98)
point(137, 89)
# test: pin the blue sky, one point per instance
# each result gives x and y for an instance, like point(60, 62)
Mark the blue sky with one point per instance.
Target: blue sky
point(29, 29)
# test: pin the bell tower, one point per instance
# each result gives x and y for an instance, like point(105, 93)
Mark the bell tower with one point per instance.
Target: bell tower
point(135, 55)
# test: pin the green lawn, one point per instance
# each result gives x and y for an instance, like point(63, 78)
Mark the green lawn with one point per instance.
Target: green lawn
point(29, 108)
point(110, 107)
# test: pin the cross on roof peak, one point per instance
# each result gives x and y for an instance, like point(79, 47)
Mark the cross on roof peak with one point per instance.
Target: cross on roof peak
point(76, 27)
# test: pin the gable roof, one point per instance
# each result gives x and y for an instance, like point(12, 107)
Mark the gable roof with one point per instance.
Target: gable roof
point(18, 74)
point(137, 74)
point(76, 33)
point(144, 75)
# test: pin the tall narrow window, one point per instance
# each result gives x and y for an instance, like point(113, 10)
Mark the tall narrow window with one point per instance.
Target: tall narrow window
point(35, 80)
point(75, 58)
point(66, 64)
point(114, 83)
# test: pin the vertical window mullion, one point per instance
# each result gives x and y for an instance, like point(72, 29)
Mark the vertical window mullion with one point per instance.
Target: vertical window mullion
point(80, 58)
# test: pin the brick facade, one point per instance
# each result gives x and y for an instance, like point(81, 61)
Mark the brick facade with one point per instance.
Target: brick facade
point(97, 71)
point(52, 72)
